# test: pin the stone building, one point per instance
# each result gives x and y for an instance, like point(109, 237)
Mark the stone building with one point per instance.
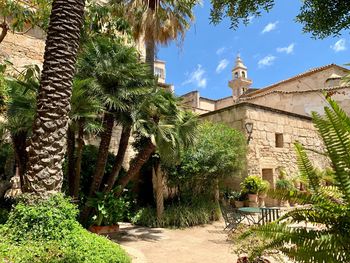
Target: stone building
point(275, 117)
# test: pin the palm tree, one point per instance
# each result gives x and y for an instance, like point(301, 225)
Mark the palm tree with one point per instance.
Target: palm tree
point(86, 107)
point(125, 120)
point(46, 147)
point(156, 123)
point(19, 115)
point(159, 21)
point(330, 205)
point(168, 152)
point(121, 78)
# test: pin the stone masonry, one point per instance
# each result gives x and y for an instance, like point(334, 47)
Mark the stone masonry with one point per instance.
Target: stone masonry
point(264, 157)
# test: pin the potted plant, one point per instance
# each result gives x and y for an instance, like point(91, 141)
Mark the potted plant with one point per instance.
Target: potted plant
point(237, 198)
point(109, 210)
point(284, 185)
point(251, 186)
point(262, 192)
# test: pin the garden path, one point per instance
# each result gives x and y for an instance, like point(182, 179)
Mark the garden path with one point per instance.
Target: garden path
point(204, 244)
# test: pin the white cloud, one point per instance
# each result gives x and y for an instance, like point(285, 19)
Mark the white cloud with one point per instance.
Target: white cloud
point(220, 50)
point(269, 27)
point(197, 77)
point(222, 65)
point(340, 45)
point(266, 61)
point(288, 50)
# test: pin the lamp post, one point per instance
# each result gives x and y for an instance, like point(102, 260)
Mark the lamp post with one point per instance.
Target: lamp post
point(249, 129)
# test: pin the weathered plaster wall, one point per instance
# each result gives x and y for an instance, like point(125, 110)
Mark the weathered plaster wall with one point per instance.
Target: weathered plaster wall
point(312, 81)
point(225, 102)
point(206, 104)
point(303, 103)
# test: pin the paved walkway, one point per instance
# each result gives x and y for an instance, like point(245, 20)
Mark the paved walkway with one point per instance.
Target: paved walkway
point(201, 244)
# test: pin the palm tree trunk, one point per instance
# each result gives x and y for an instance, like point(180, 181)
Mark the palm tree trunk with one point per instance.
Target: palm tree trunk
point(118, 162)
point(71, 159)
point(108, 122)
point(106, 136)
point(80, 145)
point(136, 165)
point(19, 141)
point(5, 28)
point(157, 177)
point(150, 54)
point(47, 145)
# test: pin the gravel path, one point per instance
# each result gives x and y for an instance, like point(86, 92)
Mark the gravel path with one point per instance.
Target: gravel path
point(204, 244)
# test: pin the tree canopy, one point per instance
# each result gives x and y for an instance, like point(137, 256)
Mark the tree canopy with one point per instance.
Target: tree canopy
point(219, 152)
point(21, 16)
point(321, 18)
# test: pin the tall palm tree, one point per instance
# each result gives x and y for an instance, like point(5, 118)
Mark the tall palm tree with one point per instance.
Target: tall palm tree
point(121, 79)
point(46, 148)
point(84, 116)
point(158, 22)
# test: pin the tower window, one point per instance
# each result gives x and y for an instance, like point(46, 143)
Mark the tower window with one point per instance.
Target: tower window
point(279, 140)
point(236, 75)
point(159, 72)
point(243, 74)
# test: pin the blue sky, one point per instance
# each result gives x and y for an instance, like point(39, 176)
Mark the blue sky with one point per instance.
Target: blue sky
point(272, 46)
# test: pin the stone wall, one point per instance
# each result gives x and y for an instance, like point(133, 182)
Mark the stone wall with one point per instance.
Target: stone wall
point(263, 153)
point(22, 50)
point(267, 122)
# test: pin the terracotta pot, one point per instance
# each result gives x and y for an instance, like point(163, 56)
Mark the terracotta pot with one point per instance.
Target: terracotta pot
point(103, 230)
point(262, 198)
point(283, 203)
point(253, 204)
point(239, 204)
point(253, 198)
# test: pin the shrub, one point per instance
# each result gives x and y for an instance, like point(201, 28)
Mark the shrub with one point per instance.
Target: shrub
point(46, 231)
point(179, 216)
point(109, 209)
point(264, 187)
point(252, 184)
point(284, 184)
point(218, 154)
point(51, 219)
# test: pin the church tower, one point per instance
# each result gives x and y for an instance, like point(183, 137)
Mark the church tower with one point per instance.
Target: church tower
point(240, 82)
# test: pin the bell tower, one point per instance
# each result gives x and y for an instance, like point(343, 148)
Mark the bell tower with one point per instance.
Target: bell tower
point(240, 82)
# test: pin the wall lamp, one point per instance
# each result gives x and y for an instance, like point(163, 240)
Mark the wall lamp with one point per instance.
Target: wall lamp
point(249, 129)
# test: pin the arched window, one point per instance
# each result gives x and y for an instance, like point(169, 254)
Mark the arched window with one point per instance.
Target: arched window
point(243, 74)
point(236, 75)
